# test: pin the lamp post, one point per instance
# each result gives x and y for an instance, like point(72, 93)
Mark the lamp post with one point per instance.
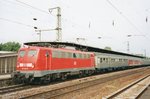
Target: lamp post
point(39, 32)
point(145, 52)
point(58, 27)
point(42, 30)
point(128, 43)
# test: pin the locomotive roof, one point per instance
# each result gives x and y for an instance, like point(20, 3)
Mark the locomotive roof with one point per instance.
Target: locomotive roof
point(77, 47)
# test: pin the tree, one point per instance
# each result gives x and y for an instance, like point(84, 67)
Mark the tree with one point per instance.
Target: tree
point(1, 46)
point(10, 46)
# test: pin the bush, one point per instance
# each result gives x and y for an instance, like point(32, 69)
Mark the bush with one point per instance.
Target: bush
point(10, 46)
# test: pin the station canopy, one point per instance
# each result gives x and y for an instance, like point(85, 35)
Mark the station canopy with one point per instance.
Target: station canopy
point(77, 47)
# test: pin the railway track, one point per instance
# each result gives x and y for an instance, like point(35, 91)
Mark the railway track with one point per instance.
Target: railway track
point(132, 91)
point(5, 82)
point(14, 88)
point(64, 90)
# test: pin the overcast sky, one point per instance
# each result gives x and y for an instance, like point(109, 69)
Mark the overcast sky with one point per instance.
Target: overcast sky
point(112, 20)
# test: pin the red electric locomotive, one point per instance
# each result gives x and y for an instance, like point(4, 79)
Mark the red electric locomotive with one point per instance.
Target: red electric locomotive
point(42, 64)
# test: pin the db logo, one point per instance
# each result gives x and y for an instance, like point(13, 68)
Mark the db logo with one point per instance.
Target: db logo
point(75, 63)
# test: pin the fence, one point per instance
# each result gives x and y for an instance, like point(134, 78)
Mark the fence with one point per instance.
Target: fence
point(8, 63)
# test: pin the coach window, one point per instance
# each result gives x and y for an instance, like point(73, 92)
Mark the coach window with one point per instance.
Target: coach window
point(74, 55)
point(120, 60)
point(77, 55)
point(101, 60)
point(66, 55)
point(59, 54)
point(88, 56)
point(106, 60)
point(21, 53)
point(85, 56)
point(54, 54)
point(63, 55)
point(82, 56)
point(69, 55)
point(113, 59)
point(117, 59)
point(98, 60)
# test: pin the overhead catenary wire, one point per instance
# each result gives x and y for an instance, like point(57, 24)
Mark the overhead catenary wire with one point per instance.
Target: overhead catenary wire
point(32, 7)
point(125, 17)
point(128, 20)
point(16, 22)
point(23, 4)
point(73, 23)
point(41, 10)
point(21, 23)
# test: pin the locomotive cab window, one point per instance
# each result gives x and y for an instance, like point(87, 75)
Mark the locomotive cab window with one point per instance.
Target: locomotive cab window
point(21, 53)
point(32, 53)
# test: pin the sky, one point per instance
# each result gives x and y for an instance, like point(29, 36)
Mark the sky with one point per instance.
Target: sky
point(100, 22)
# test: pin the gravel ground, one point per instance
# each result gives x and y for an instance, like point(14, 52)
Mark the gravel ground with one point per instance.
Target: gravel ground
point(99, 91)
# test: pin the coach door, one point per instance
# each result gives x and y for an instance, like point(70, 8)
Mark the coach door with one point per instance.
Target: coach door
point(48, 60)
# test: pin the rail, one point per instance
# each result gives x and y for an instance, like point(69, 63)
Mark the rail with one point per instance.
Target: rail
point(13, 88)
point(74, 87)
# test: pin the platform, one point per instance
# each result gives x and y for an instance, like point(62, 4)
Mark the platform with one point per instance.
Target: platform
point(6, 76)
point(146, 94)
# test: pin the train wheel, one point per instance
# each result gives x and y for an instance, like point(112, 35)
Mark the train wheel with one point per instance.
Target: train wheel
point(63, 76)
point(81, 74)
point(53, 77)
point(37, 80)
point(47, 79)
point(90, 72)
